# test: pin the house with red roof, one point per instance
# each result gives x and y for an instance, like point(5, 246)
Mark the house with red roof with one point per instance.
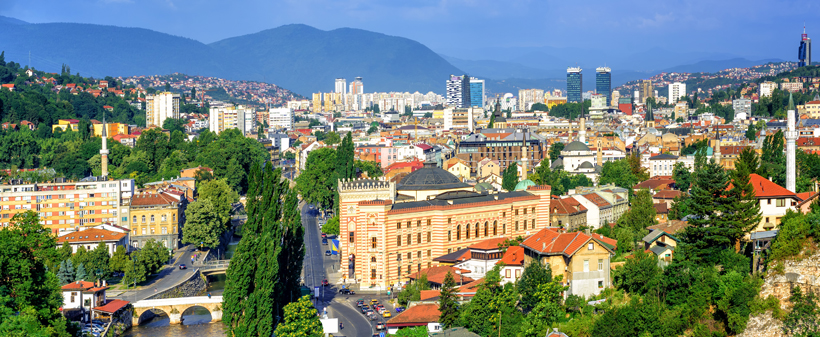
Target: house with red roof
point(436, 274)
point(425, 314)
point(567, 213)
point(513, 264)
point(92, 237)
point(581, 259)
point(775, 201)
point(81, 297)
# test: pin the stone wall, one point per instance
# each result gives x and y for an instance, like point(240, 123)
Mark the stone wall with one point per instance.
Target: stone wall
point(195, 285)
point(804, 274)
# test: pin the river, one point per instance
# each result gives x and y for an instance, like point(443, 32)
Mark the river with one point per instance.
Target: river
point(197, 322)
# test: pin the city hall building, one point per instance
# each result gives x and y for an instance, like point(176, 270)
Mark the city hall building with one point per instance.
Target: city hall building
point(389, 230)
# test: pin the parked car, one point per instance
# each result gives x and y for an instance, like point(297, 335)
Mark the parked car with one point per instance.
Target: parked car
point(325, 283)
point(324, 241)
point(182, 266)
point(399, 309)
point(380, 326)
point(349, 292)
point(359, 303)
point(328, 253)
point(387, 314)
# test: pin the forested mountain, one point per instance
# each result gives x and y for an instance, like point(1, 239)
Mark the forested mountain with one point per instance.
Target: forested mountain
point(298, 57)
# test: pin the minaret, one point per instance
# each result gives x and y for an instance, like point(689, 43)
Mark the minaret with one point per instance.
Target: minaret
point(791, 137)
point(650, 117)
point(600, 157)
point(582, 134)
point(104, 150)
point(716, 154)
point(524, 158)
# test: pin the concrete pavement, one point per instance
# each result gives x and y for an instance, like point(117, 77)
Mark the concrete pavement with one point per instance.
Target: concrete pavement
point(168, 277)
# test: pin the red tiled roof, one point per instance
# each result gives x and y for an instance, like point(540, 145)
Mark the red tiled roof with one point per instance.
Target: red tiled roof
point(550, 242)
point(514, 256)
point(661, 208)
point(671, 226)
point(805, 195)
point(78, 285)
point(91, 235)
point(560, 206)
point(575, 203)
point(654, 184)
point(667, 194)
point(416, 315)
point(488, 244)
point(424, 146)
point(596, 199)
point(151, 199)
point(112, 306)
point(807, 141)
point(436, 274)
point(764, 188)
point(604, 239)
point(428, 294)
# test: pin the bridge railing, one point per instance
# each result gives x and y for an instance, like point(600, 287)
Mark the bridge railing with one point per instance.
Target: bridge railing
point(213, 264)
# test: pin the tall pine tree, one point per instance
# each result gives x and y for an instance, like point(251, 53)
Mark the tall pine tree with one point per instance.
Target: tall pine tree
point(447, 304)
point(709, 232)
point(773, 159)
point(510, 177)
point(743, 210)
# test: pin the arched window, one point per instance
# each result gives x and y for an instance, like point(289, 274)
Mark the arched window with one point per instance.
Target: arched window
point(152, 218)
point(135, 218)
point(468, 232)
point(458, 232)
point(164, 218)
point(486, 228)
point(476, 230)
point(373, 259)
point(495, 228)
point(143, 219)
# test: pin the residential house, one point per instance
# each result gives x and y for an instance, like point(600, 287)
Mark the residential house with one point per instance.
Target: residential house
point(513, 262)
point(662, 164)
point(158, 216)
point(662, 244)
point(581, 259)
point(568, 213)
point(774, 200)
point(90, 238)
point(82, 296)
point(488, 167)
point(666, 197)
point(416, 315)
point(458, 168)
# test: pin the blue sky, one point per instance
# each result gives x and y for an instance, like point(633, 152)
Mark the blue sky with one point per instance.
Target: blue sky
point(472, 29)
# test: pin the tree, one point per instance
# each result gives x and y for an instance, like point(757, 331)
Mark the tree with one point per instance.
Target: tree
point(317, 183)
point(174, 124)
point(773, 159)
point(66, 272)
point(332, 138)
point(510, 177)
point(748, 161)
point(80, 273)
point(203, 226)
point(555, 151)
point(639, 274)
point(682, 177)
point(412, 292)
point(708, 232)
point(548, 308)
point(221, 196)
point(618, 172)
point(264, 273)
point(134, 271)
point(373, 169)
point(751, 132)
point(638, 171)
point(31, 297)
point(331, 226)
point(641, 214)
point(534, 274)
point(419, 331)
point(481, 315)
point(119, 260)
point(300, 320)
point(98, 260)
point(804, 319)
point(447, 304)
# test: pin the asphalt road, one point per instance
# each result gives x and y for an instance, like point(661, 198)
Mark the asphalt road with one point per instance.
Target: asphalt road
point(316, 268)
point(168, 277)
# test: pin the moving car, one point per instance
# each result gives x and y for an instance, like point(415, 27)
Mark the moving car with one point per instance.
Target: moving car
point(387, 314)
point(380, 326)
point(350, 292)
point(324, 241)
point(325, 283)
point(328, 253)
point(182, 266)
point(399, 309)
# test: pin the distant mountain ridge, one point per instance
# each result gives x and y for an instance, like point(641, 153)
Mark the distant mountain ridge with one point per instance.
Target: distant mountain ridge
point(307, 60)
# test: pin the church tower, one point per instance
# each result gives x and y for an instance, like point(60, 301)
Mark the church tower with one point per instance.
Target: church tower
point(104, 150)
point(791, 138)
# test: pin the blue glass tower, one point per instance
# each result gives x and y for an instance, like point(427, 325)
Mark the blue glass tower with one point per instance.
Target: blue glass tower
point(476, 92)
point(574, 85)
point(603, 82)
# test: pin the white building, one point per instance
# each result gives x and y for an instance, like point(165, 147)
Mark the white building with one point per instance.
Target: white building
point(662, 165)
point(90, 238)
point(222, 118)
point(159, 107)
point(280, 118)
point(456, 118)
point(676, 91)
point(766, 88)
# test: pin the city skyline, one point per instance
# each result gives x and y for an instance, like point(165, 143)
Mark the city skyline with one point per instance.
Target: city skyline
point(637, 26)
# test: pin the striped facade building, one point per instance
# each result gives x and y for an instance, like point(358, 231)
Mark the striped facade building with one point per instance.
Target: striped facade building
point(389, 231)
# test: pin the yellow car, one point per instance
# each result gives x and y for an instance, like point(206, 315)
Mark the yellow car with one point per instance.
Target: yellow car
point(374, 301)
point(387, 314)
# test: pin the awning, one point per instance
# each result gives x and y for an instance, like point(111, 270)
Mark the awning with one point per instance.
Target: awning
point(112, 306)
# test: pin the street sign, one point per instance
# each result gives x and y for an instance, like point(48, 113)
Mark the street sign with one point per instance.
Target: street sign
point(315, 291)
point(381, 334)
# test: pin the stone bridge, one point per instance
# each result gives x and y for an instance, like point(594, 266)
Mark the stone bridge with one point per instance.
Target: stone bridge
point(213, 266)
point(175, 307)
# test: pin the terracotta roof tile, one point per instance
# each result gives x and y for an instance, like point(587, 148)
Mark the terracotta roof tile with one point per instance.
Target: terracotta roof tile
point(151, 199)
point(78, 285)
point(91, 235)
point(488, 244)
point(416, 315)
point(666, 194)
point(764, 188)
point(514, 256)
point(436, 274)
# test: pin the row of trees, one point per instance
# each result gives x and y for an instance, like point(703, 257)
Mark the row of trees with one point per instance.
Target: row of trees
point(264, 273)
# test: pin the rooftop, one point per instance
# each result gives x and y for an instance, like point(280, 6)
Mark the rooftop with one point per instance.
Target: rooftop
point(416, 315)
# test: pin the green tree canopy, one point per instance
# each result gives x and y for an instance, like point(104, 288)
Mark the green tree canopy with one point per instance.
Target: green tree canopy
point(300, 320)
point(203, 226)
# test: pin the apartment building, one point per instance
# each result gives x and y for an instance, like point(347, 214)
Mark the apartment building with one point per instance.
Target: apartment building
point(158, 216)
point(280, 118)
point(159, 107)
point(68, 206)
point(227, 117)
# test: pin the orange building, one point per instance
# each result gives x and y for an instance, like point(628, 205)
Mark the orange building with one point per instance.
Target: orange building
point(390, 231)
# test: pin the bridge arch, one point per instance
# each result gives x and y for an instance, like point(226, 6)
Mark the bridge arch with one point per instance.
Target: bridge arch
point(196, 314)
point(176, 307)
point(148, 314)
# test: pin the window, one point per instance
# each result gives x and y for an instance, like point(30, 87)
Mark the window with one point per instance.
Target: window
point(458, 232)
point(600, 264)
point(164, 218)
point(525, 211)
point(135, 218)
point(373, 242)
point(590, 246)
point(600, 284)
point(418, 237)
point(429, 236)
point(399, 271)
point(503, 228)
point(409, 239)
point(525, 224)
point(373, 274)
point(476, 231)
point(516, 225)
point(449, 237)
point(468, 231)
point(781, 203)
point(516, 212)
point(429, 253)
point(486, 229)
point(507, 273)
point(398, 240)
point(770, 201)
point(517, 273)
point(72, 297)
point(495, 228)
point(144, 231)
point(586, 265)
point(351, 237)
point(143, 219)
point(418, 223)
point(408, 224)
point(152, 218)
point(533, 211)
point(398, 225)
point(164, 230)
point(428, 222)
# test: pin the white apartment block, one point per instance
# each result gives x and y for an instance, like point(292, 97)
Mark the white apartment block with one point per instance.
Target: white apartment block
point(280, 118)
point(662, 165)
point(68, 206)
point(455, 118)
point(159, 107)
point(676, 91)
point(766, 89)
point(222, 118)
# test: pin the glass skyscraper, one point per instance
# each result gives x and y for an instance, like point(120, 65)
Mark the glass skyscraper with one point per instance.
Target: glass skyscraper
point(804, 51)
point(476, 92)
point(603, 82)
point(574, 85)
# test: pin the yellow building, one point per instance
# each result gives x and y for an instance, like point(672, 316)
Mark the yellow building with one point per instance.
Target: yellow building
point(157, 216)
point(317, 102)
point(64, 124)
point(554, 101)
point(113, 129)
point(67, 206)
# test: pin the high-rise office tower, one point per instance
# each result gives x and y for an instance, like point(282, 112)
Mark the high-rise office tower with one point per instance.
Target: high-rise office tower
point(476, 92)
point(341, 86)
point(603, 82)
point(676, 91)
point(804, 51)
point(357, 86)
point(159, 107)
point(574, 84)
point(646, 90)
point(458, 91)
